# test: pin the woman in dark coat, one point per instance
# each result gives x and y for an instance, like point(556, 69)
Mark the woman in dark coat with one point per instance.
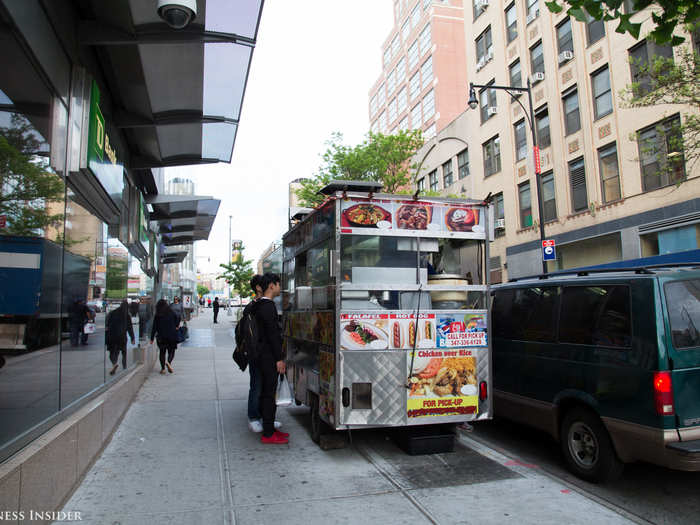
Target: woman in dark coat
point(165, 327)
point(117, 326)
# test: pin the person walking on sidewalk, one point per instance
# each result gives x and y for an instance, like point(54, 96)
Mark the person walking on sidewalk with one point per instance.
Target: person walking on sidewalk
point(215, 306)
point(165, 328)
point(270, 360)
point(117, 325)
point(176, 307)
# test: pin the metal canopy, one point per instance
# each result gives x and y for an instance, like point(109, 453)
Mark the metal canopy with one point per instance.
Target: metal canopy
point(173, 257)
point(350, 185)
point(182, 219)
point(176, 94)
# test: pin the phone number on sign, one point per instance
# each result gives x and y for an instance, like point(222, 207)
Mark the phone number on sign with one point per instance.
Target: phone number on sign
point(462, 339)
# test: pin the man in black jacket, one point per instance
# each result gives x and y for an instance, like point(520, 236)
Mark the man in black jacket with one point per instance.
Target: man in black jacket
point(117, 325)
point(215, 306)
point(270, 360)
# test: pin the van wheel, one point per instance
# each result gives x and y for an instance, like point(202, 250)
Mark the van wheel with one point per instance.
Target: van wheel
point(587, 447)
point(318, 427)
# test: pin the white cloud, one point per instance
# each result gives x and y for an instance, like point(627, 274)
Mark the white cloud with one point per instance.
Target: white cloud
point(312, 69)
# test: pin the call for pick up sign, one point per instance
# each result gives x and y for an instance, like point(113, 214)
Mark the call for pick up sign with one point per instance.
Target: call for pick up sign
point(457, 331)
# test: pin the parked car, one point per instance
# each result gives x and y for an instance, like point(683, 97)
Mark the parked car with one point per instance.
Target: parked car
point(606, 362)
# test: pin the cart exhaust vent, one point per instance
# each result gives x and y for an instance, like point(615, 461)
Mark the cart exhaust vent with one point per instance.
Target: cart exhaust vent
point(362, 396)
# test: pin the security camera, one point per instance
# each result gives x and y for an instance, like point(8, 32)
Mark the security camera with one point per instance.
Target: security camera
point(177, 13)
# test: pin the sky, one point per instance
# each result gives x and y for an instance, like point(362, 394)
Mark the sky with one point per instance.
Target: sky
point(313, 66)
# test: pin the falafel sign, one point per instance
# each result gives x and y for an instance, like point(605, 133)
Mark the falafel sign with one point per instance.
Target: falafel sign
point(408, 218)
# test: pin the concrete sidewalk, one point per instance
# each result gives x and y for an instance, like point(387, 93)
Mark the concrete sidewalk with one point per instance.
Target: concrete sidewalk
point(183, 455)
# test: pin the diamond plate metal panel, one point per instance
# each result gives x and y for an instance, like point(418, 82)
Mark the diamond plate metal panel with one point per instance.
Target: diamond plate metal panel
point(387, 373)
point(482, 374)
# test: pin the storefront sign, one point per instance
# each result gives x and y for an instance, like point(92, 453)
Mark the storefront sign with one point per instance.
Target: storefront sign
point(102, 158)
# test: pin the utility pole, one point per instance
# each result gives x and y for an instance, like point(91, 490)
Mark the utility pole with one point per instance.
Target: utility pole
point(228, 256)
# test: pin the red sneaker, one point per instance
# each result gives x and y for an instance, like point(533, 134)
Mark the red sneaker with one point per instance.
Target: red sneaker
point(274, 439)
point(285, 435)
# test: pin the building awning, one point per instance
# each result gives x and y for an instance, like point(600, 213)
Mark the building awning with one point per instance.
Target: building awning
point(182, 219)
point(173, 257)
point(176, 94)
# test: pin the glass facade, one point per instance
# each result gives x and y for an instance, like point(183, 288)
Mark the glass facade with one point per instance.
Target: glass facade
point(65, 266)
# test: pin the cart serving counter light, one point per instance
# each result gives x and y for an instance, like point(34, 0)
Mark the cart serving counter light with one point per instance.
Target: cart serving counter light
point(385, 309)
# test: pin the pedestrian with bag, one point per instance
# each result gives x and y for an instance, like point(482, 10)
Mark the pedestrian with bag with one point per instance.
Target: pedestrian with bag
point(269, 357)
point(164, 330)
point(117, 325)
point(215, 306)
point(79, 314)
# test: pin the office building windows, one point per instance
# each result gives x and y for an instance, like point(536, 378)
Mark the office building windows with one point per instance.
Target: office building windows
point(415, 16)
point(390, 83)
point(403, 125)
point(433, 178)
point(549, 205)
point(515, 74)
point(511, 23)
point(406, 30)
point(642, 57)
point(572, 118)
point(520, 140)
point(373, 106)
point(427, 72)
point(484, 46)
point(387, 57)
point(463, 163)
point(487, 98)
point(447, 174)
point(413, 56)
point(381, 96)
point(537, 58)
point(382, 122)
point(392, 110)
point(429, 132)
point(602, 95)
point(595, 29)
point(426, 4)
point(420, 184)
point(414, 85)
point(542, 127)
point(492, 156)
point(609, 173)
point(525, 205)
point(425, 40)
point(395, 46)
point(416, 121)
point(401, 100)
point(499, 213)
point(661, 154)
point(478, 7)
point(401, 70)
point(565, 41)
point(428, 105)
point(577, 178)
point(533, 10)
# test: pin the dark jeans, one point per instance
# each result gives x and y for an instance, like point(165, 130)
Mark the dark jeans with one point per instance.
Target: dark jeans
point(268, 407)
point(254, 392)
point(77, 335)
point(114, 351)
point(170, 346)
point(216, 315)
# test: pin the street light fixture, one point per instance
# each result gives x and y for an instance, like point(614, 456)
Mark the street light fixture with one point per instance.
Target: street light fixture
point(474, 103)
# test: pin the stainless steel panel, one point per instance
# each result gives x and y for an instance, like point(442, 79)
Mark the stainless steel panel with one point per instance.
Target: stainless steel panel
point(387, 373)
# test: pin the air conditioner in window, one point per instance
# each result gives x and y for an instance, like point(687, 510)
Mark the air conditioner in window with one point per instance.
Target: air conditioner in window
point(491, 110)
point(489, 55)
point(480, 64)
point(565, 56)
point(499, 224)
point(532, 16)
point(482, 4)
point(536, 77)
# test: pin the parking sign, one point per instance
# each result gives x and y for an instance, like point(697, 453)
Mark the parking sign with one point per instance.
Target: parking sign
point(549, 252)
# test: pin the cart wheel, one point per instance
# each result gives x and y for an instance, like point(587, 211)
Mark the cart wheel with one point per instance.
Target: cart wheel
point(587, 447)
point(318, 426)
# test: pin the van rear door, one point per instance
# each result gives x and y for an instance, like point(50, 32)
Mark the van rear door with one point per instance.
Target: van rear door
point(682, 298)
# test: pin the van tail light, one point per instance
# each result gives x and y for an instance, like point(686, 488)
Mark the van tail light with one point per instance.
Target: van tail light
point(663, 394)
point(483, 391)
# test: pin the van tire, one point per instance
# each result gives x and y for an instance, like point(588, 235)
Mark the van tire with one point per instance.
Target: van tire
point(587, 447)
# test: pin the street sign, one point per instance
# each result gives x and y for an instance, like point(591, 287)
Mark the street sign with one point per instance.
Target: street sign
point(549, 252)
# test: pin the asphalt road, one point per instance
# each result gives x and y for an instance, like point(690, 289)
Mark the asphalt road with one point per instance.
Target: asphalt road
point(652, 494)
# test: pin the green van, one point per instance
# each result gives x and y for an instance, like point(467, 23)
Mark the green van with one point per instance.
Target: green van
point(607, 362)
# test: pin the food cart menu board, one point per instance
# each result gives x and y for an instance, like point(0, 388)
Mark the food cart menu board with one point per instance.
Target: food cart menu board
point(409, 218)
point(396, 331)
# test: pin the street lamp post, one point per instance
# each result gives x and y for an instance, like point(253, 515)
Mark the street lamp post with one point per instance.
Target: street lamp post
point(228, 256)
point(474, 103)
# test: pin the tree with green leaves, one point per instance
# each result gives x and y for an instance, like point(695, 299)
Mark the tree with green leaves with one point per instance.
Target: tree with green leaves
point(202, 290)
point(671, 80)
point(238, 274)
point(667, 15)
point(381, 158)
point(27, 186)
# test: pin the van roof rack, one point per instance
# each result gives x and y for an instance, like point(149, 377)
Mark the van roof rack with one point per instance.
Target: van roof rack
point(582, 272)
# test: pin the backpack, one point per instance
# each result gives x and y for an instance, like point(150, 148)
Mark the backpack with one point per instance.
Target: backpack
point(247, 340)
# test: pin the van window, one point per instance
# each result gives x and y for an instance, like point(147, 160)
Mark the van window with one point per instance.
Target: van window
point(527, 314)
point(595, 315)
point(683, 300)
